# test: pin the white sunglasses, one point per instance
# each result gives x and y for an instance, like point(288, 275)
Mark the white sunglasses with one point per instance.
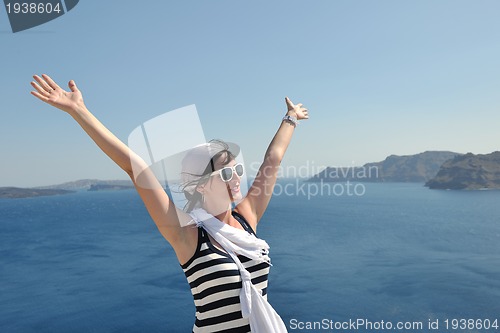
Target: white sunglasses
point(226, 173)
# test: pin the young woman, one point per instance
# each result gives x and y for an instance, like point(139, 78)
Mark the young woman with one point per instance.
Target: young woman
point(225, 264)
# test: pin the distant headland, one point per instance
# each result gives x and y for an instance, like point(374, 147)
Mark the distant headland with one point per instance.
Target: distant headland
point(65, 188)
point(17, 192)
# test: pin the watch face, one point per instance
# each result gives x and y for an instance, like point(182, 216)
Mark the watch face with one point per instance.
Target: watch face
point(291, 119)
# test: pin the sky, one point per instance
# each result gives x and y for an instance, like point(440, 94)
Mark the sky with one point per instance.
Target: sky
point(378, 78)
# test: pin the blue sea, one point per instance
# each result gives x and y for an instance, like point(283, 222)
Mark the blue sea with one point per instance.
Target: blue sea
point(95, 262)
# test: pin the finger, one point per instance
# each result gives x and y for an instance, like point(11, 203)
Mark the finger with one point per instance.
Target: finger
point(40, 96)
point(42, 83)
point(72, 86)
point(39, 89)
point(51, 82)
point(289, 102)
point(299, 105)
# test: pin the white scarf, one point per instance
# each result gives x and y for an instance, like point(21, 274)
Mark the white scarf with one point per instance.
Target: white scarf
point(262, 317)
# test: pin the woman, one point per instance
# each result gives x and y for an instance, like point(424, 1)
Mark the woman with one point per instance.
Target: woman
point(225, 263)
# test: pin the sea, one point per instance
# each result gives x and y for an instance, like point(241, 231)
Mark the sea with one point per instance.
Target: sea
point(378, 257)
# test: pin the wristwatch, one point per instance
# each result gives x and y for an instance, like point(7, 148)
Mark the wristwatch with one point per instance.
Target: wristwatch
point(291, 120)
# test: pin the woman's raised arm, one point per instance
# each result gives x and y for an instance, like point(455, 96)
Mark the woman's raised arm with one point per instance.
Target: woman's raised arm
point(158, 204)
point(72, 103)
point(259, 194)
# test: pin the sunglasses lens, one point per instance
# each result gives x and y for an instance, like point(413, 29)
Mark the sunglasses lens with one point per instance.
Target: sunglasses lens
point(239, 169)
point(226, 174)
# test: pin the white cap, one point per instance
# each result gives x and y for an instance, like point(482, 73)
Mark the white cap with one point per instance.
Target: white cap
point(196, 160)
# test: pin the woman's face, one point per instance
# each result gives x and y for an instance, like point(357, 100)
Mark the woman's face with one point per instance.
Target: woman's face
point(219, 194)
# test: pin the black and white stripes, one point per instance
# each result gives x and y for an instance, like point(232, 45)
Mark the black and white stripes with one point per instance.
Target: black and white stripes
point(216, 283)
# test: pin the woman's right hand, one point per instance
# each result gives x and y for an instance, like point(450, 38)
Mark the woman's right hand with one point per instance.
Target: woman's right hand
point(49, 92)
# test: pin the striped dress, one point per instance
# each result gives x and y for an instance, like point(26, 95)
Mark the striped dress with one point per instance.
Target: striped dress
point(215, 284)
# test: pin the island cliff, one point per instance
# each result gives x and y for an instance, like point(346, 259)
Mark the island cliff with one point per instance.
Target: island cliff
point(469, 172)
point(417, 168)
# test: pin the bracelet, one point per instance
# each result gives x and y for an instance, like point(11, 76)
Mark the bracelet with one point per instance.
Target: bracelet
point(292, 120)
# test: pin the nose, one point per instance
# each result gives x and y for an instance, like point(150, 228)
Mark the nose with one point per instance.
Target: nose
point(235, 180)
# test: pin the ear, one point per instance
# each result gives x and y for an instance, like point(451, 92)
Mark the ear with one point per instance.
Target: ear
point(200, 189)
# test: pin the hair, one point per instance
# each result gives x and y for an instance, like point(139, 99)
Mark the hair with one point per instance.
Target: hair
point(196, 199)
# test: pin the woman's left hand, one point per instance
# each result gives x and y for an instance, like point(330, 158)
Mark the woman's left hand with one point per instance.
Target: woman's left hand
point(296, 110)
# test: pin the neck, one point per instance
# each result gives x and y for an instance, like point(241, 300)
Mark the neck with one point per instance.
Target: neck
point(225, 216)
point(221, 213)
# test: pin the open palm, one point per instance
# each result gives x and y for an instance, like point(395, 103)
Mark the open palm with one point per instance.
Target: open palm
point(49, 92)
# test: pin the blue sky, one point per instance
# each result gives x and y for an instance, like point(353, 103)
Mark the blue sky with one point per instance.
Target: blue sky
point(378, 77)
